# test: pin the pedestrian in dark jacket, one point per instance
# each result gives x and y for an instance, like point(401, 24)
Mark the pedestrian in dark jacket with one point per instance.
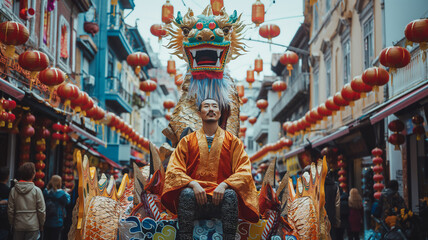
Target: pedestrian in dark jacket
point(56, 199)
point(26, 206)
point(390, 201)
point(332, 203)
point(4, 196)
point(355, 203)
point(344, 214)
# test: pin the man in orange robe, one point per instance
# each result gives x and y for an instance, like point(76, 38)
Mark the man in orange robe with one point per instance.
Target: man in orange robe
point(209, 174)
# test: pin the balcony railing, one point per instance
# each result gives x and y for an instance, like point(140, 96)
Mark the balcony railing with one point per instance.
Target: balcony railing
point(261, 127)
point(298, 86)
point(118, 29)
point(115, 86)
point(415, 72)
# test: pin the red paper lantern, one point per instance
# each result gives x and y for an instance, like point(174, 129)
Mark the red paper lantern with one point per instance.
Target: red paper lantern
point(40, 175)
point(324, 111)
point(12, 34)
point(240, 89)
point(377, 195)
point(417, 119)
point(377, 152)
point(40, 156)
point(258, 64)
point(279, 86)
point(52, 77)
point(289, 58)
point(378, 169)
point(167, 12)
point(252, 120)
point(80, 101)
point(27, 132)
point(375, 77)
point(138, 59)
point(178, 80)
point(330, 105)
point(148, 86)
point(378, 186)
point(377, 160)
point(269, 31)
point(309, 119)
point(171, 67)
point(168, 104)
point(258, 13)
point(168, 117)
point(341, 172)
point(250, 77)
point(244, 100)
point(91, 27)
point(315, 115)
point(418, 128)
point(396, 139)
point(417, 31)
point(158, 30)
point(29, 119)
point(39, 183)
point(350, 95)
point(33, 60)
point(394, 57)
point(216, 6)
point(243, 118)
point(378, 177)
point(40, 165)
point(396, 125)
point(339, 100)
point(359, 86)
point(67, 92)
point(419, 131)
point(243, 129)
point(262, 104)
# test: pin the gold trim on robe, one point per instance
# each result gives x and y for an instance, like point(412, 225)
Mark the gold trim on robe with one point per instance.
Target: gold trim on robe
point(225, 162)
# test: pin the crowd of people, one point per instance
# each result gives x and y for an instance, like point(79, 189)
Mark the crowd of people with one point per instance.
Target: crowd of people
point(27, 212)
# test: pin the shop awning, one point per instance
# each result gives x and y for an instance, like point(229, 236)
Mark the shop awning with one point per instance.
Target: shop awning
point(86, 134)
point(400, 103)
point(294, 152)
point(108, 160)
point(339, 133)
point(99, 155)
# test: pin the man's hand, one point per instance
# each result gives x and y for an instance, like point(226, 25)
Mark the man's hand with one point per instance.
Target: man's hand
point(200, 194)
point(3, 202)
point(219, 193)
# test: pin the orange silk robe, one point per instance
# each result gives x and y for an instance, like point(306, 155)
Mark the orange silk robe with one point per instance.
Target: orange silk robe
point(226, 162)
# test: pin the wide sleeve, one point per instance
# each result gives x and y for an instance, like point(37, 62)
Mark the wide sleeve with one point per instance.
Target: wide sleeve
point(11, 207)
point(242, 181)
point(41, 208)
point(175, 176)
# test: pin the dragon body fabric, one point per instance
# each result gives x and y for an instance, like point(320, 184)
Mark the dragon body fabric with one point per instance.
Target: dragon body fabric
point(134, 210)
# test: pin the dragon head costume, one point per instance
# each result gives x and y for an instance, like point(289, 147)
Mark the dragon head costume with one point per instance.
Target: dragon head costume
point(206, 42)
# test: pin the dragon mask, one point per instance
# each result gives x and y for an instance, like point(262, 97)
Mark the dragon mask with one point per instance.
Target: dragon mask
point(207, 42)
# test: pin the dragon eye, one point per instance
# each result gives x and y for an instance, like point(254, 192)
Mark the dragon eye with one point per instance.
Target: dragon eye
point(199, 25)
point(211, 25)
point(226, 30)
point(185, 31)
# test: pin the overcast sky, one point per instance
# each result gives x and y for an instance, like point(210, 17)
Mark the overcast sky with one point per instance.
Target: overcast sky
point(287, 14)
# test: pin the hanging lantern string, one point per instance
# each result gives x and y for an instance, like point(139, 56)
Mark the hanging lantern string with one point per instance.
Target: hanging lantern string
point(299, 50)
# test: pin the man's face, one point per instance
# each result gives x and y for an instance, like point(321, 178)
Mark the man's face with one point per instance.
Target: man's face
point(210, 111)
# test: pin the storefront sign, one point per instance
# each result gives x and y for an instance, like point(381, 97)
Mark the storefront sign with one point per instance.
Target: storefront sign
point(293, 166)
